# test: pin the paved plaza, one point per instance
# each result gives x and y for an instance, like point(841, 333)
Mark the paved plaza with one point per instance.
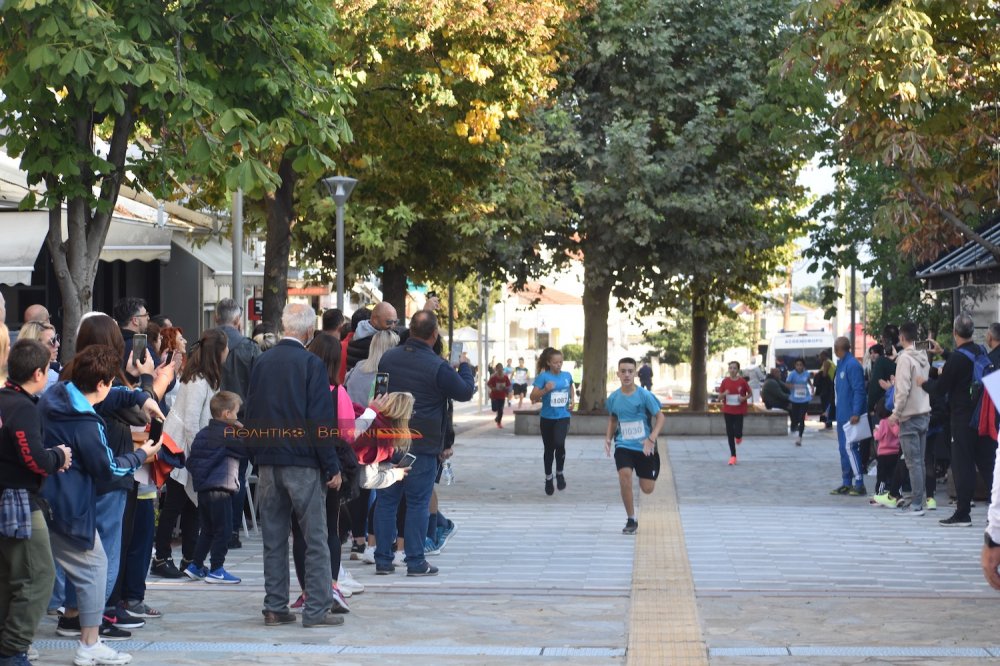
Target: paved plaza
point(755, 564)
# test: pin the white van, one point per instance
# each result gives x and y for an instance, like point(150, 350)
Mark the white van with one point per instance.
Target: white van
point(789, 347)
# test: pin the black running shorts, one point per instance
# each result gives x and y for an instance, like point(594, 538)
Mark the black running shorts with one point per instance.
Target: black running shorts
point(646, 467)
point(519, 389)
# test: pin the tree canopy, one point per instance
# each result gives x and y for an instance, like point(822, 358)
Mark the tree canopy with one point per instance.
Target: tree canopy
point(915, 88)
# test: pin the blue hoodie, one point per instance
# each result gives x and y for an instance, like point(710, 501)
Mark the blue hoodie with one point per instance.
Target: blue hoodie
point(69, 419)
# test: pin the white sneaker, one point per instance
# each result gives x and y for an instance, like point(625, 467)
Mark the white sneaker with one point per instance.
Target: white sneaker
point(99, 654)
point(348, 583)
point(32, 653)
point(368, 557)
point(399, 558)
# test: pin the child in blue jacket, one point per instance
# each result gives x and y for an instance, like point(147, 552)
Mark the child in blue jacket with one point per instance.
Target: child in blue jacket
point(214, 464)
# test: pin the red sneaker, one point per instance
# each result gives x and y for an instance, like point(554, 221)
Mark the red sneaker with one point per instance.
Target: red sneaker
point(732, 460)
point(298, 603)
point(739, 440)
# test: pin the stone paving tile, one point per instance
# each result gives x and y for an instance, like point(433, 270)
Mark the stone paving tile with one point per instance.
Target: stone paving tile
point(779, 563)
point(524, 571)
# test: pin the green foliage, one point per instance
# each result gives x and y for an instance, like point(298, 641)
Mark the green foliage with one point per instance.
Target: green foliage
point(673, 342)
point(447, 162)
point(573, 352)
point(676, 152)
point(917, 87)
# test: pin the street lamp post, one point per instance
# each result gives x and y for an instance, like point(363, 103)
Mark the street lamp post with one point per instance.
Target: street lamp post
point(340, 188)
point(865, 287)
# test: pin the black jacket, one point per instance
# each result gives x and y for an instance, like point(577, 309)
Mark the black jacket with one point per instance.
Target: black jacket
point(239, 363)
point(954, 382)
point(24, 461)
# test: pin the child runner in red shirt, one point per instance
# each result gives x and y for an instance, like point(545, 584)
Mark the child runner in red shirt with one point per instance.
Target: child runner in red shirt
point(499, 384)
point(734, 393)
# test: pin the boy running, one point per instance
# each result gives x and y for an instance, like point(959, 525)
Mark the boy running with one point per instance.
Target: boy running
point(519, 382)
point(630, 411)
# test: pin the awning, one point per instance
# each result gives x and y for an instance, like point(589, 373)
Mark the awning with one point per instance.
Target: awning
point(129, 240)
point(217, 255)
point(23, 234)
point(970, 264)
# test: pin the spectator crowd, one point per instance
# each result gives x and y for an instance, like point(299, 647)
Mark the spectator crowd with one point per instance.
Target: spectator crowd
point(107, 455)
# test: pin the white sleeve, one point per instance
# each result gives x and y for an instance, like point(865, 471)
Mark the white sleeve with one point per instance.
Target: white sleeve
point(993, 516)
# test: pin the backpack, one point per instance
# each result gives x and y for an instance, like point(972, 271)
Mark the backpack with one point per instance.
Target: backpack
point(981, 366)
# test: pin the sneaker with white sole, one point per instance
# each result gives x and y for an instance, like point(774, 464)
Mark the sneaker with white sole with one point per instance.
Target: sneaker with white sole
point(431, 548)
point(399, 558)
point(32, 654)
point(368, 557)
point(339, 601)
point(99, 654)
point(222, 577)
point(140, 609)
point(930, 504)
point(347, 582)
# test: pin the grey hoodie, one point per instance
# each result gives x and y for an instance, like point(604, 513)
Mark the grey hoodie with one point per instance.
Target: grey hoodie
point(910, 399)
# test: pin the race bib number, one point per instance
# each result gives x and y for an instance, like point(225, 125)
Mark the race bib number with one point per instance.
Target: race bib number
point(732, 399)
point(558, 398)
point(632, 430)
point(801, 391)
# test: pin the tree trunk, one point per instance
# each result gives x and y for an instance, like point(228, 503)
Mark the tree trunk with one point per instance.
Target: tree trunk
point(699, 347)
point(280, 207)
point(394, 288)
point(75, 259)
point(596, 295)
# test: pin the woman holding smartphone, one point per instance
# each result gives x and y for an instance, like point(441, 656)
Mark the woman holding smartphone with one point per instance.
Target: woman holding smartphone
point(554, 389)
point(200, 380)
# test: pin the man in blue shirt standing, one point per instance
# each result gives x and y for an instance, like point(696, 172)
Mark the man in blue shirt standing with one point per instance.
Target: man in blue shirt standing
point(634, 422)
point(851, 407)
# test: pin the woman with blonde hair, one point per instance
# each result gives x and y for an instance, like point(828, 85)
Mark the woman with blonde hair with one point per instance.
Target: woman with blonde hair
point(46, 334)
point(360, 381)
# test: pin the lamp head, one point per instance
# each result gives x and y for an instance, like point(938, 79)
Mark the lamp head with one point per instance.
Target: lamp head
point(339, 187)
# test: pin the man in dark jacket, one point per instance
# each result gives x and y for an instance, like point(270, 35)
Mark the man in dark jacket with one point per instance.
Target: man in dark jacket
point(26, 569)
point(290, 421)
point(236, 378)
point(968, 450)
point(413, 367)
point(383, 318)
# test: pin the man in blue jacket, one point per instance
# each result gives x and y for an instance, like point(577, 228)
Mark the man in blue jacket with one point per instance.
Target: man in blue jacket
point(413, 367)
point(851, 408)
point(290, 427)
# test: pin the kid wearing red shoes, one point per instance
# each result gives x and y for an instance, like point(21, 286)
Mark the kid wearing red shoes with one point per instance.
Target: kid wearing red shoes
point(734, 393)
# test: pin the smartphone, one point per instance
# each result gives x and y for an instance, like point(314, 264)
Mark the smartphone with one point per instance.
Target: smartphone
point(139, 348)
point(381, 384)
point(170, 357)
point(922, 345)
point(407, 460)
point(456, 353)
point(155, 429)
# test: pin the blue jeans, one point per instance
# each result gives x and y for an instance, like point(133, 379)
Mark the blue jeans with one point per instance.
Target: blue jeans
point(140, 551)
point(850, 458)
point(417, 487)
point(110, 512)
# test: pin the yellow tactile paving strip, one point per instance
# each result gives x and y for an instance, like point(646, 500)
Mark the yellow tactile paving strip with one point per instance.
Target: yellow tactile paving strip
point(663, 627)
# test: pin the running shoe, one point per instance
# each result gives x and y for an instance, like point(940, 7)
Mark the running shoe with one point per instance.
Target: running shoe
point(858, 491)
point(550, 487)
point(221, 576)
point(886, 500)
point(930, 504)
point(732, 460)
point(560, 482)
point(840, 490)
point(631, 525)
point(99, 653)
point(339, 600)
point(368, 557)
point(194, 572)
point(140, 609)
point(431, 548)
point(348, 583)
